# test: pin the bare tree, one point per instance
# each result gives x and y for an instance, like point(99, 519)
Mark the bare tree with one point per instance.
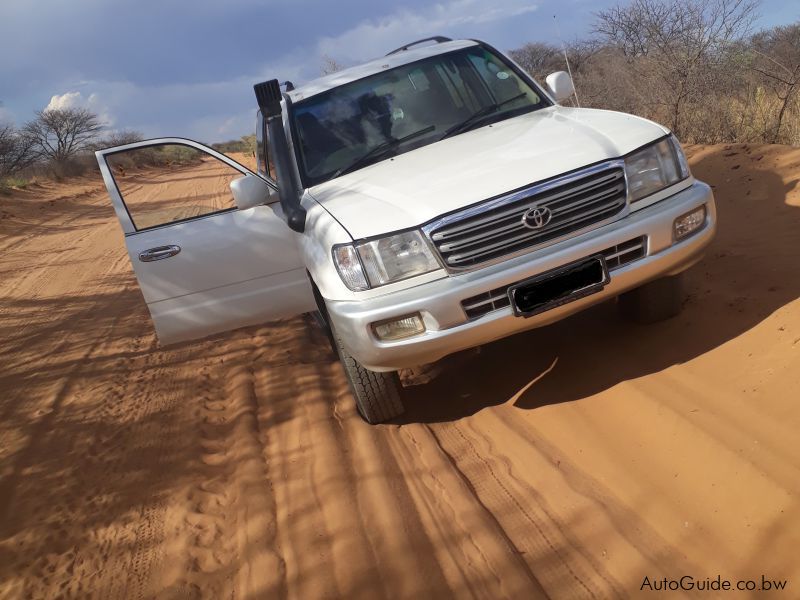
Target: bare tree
point(16, 151)
point(59, 134)
point(581, 53)
point(120, 138)
point(777, 60)
point(539, 59)
point(678, 43)
point(688, 64)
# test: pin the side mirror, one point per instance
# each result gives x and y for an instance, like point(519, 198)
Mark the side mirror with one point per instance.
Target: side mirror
point(250, 191)
point(560, 85)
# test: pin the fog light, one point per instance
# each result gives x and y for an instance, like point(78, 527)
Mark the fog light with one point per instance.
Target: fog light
point(689, 223)
point(397, 329)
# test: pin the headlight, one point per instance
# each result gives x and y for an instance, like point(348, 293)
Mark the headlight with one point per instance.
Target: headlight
point(655, 167)
point(385, 260)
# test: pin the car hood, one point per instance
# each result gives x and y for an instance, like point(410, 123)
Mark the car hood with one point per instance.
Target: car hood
point(413, 188)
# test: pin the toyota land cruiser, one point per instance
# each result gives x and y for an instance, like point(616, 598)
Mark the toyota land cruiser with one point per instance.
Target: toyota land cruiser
point(423, 203)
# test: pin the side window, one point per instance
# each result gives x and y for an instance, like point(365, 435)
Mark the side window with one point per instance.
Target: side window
point(171, 182)
point(264, 160)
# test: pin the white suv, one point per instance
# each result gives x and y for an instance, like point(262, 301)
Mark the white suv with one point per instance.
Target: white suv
point(427, 202)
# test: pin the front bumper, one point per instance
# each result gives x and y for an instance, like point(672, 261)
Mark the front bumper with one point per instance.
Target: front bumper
point(449, 330)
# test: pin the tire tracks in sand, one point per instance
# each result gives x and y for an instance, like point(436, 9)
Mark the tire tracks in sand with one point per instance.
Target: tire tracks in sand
point(237, 467)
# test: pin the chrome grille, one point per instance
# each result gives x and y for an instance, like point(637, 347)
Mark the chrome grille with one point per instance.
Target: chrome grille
point(496, 228)
point(616, 257)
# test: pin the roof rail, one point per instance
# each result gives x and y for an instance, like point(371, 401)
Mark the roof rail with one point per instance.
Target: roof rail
point(439, 39)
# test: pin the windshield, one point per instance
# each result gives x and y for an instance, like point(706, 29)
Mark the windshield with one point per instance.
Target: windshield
point(370, 119)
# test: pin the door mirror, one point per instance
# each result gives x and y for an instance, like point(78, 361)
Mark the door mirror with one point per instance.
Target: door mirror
point(250, 191)
point(560, 85)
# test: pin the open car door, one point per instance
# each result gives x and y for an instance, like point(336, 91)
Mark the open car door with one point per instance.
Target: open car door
point(206, 238)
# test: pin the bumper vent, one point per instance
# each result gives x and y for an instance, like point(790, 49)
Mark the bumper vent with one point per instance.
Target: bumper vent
point(498, 227)
point(616, 257)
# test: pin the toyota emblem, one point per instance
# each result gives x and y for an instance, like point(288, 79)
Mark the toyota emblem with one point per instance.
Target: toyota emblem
point(537, 217)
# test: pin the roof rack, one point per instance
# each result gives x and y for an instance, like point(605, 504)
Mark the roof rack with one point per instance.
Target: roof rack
point(439, 39)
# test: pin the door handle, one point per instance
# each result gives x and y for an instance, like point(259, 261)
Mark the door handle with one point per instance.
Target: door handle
point(159, 253)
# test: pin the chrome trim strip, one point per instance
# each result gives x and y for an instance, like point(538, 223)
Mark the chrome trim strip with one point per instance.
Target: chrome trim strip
point(518, 211)
point(159, 253)
point(500, 295)
point(517, 224)
point(638, 248)
point(527, 234)
point(475, 305)
point(598, 197)
point(537, 188)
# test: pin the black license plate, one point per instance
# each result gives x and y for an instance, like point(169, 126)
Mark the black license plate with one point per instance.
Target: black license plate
point(559, 286)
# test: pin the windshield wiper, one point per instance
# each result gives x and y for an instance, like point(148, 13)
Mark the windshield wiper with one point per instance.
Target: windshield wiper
point(478, 115)
point(380, 149)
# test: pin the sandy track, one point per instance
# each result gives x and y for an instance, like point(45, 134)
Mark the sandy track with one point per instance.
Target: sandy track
point(568, 462)
point(157, 196)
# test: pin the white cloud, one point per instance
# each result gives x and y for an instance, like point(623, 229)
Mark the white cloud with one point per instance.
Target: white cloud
point(64, 101)
point(224, 108)
point(372, 38)
point(77, 100)
point(208, 111)
point(205, 111)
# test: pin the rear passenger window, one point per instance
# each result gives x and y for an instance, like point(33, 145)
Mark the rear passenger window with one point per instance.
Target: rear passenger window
point(171, 182)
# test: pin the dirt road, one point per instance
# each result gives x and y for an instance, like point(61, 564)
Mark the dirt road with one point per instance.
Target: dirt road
point(569, 462)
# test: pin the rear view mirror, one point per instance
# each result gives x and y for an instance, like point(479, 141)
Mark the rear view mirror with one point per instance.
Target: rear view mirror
point(250, 191)
point(560, 85)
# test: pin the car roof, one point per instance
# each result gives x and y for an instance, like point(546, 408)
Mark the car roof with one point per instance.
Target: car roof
point(366, 69)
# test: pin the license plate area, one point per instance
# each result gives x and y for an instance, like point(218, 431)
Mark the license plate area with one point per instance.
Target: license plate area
point(559, 286)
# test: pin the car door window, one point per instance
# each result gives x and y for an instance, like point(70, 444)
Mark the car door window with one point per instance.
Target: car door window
point(168, 183)
point(203, 266)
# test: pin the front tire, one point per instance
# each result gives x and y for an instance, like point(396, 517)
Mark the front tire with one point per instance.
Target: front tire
point(654, 301)
point(377, 395)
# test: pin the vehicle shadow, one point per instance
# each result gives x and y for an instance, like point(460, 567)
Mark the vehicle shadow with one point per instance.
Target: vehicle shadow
point(750, 271)
point(100, 423)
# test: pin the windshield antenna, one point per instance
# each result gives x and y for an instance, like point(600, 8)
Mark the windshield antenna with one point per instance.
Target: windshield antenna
point(566, 60)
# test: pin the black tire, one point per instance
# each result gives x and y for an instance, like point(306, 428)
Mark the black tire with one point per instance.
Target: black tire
point(654, 301)
point(377, 395)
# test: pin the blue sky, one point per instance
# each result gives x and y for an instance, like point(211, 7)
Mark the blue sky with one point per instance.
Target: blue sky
point(186, 67)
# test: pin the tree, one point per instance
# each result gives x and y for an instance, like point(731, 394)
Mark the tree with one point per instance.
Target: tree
point(120, 138)
point(678, 44)
point(16, 151)
point(777, 60)
point(539, 59)
point(59, 134)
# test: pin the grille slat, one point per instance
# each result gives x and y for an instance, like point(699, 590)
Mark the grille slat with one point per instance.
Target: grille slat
point(581, 202)
point(516, 223)
point(600, 197)
point(550, 197)
point(616, 257)
point(522, 240)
